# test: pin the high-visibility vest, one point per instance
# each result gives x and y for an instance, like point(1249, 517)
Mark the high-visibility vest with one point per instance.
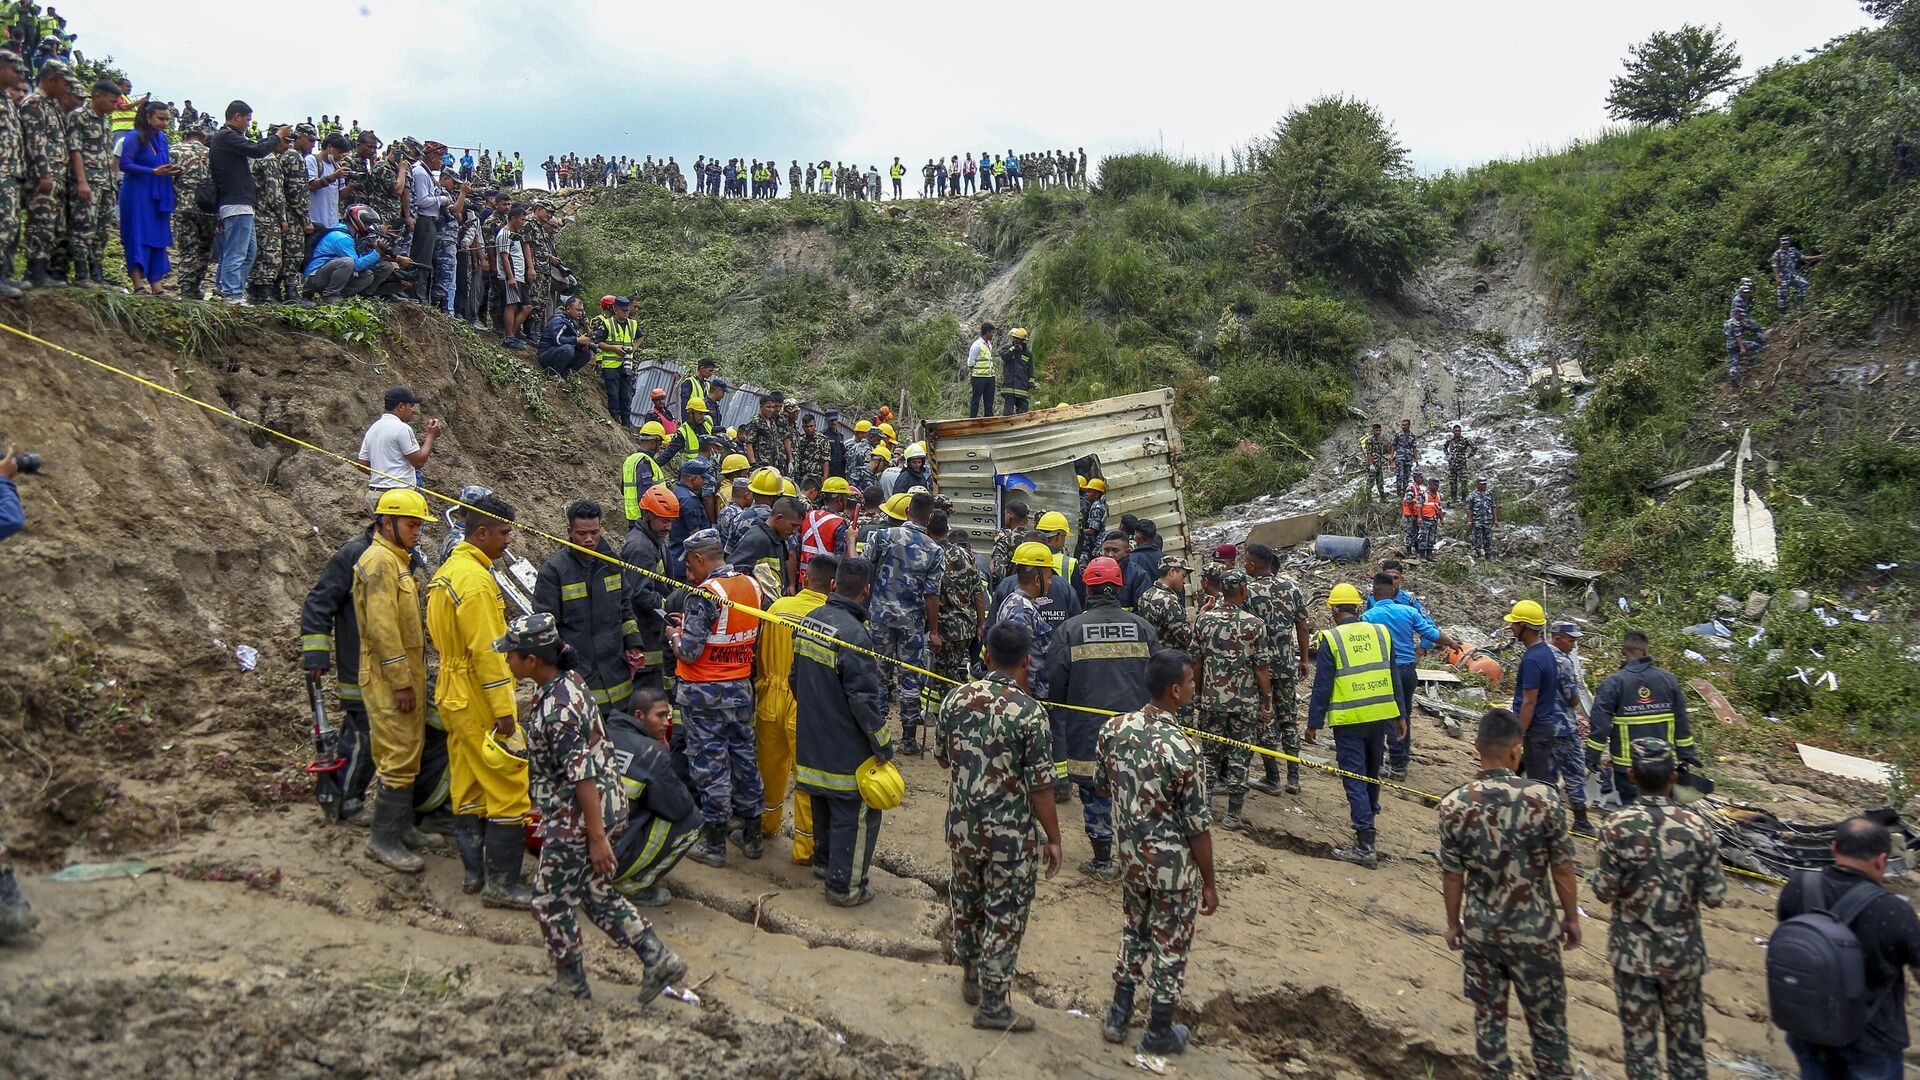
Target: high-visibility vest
point(820, 535)
point(897, 170)
point(728, 653)
point(1410, 503)
point(982, 364)
point(1430, 505)
point(1064, 564)
point(1363, 673)
point(699, 396)
point(619, 332)
point(123, 116)
point(999, 167)
point(631, 484)
point(826, 174)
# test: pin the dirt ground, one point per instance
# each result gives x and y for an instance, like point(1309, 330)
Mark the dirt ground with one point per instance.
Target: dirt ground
point(263, 939)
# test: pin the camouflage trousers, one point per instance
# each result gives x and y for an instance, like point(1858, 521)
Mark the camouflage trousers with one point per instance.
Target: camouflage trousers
point(46, 225)
point(1794, 283)
point(1570, 762)
point(1376, 481)
point(721, 758)
point(564, 880)
point(1645, 1002)
point(89, 223)
point(9, 224)
point(1156, 939)
point(1227, 765)
point(270, 234)
point(1413, 534)
point(1284, 733)
point(909, 645)
point(1457, 486)
point(1480, 536)
point(1429, 536)
point(953, 659)
point(989, 899)
point(1537, 978)
point(192, 251)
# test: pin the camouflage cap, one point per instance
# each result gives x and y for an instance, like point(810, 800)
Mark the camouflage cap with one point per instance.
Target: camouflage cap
point(1173, 562)
point(54, 67)
point(1654, 752)
point(8, 56)
point(528, 632)
point(1233, 580)
point(308, 130)
point(705, 540)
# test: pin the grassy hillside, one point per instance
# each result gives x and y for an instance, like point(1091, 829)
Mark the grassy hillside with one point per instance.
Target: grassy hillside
point(1645, 233)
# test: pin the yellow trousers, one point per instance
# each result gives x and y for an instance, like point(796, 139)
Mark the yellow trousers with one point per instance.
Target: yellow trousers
point(495, 794)
point(396, 736)
point(773, 736)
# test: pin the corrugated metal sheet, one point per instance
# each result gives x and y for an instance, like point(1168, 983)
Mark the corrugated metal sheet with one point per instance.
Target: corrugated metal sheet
point(741, 404)
point(1132, 438)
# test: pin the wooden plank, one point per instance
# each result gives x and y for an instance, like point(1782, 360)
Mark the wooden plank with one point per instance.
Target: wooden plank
point(1288, 531)
point(1722, 709)
point(1572, 573)
point(1435, 675)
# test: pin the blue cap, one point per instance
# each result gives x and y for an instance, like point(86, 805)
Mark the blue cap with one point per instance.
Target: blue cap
point(623, 301)
point(704, 540)
point(696, 465)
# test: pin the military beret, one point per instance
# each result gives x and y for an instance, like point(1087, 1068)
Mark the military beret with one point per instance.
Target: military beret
point(526, 632)
point(1653, 752)
point(1234, 579)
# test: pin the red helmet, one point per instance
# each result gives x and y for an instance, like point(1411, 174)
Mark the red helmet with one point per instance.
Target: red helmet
point(1102, 571)
point(606, 302)
point(362, 219)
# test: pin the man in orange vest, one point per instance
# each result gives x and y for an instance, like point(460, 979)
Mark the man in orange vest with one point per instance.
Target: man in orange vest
point(1410, 498)
point(828, 530)
point(713, 647)
point(1431, 514)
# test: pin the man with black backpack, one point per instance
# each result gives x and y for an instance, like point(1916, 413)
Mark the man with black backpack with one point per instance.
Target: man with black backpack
point(1659, 862)
point(1836, 975)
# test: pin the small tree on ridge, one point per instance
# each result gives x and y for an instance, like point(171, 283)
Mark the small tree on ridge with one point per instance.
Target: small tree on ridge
point(1671, 75)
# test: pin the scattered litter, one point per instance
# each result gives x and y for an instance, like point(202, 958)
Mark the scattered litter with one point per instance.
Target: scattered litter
point(1075, 1012)
point(1582, 909)
point(1353, 883)
point(1695, 657)
point(1716, 628)
point(1760, 941)
point(248, 656)
point(839, 1038)
point(1847, 765)
point(90, 871)
point(689, 997)
point(1886, 566)
point(1624, 607)
point(1773, 720)
point(1826, 618)
point(1151, 1064)
point(1817, 654)
point(1832, 681)
point(1758, 636)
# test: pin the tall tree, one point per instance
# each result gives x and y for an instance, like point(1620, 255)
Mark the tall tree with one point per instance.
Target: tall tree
point(1670, 76)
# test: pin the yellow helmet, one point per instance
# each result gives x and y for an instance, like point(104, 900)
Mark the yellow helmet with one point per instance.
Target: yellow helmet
point(887, 430)
point(1096, 484)
point(896, 507)
point(733, 433)
point(862, 427)
point(402, 502)
point(766, 481)
point(1020, 332)
point(881, 785)
point(1053, 521)
point(916, 450)
point(835, 485)
point(882, 453)
point(1529, 612)
point(1343, 595)
point(1081, 481)
point(734, 463)
point(788, 487)
point(504, 755)
point(653, 429)
point(1033, 553)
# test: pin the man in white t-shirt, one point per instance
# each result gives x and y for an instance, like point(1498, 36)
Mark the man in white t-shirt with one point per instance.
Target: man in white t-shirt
point(390, 449)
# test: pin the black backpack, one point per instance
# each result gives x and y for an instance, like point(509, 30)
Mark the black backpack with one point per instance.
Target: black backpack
point(1816, 976)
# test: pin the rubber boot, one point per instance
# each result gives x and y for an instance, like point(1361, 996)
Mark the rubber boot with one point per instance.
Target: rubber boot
point(1580, 819)
point(38, 277)
point(290, 294)
point(853, 897)
point(996, 1013)
point(1062, 792)
point(1293, 779)
point(506, 848)
point(570, 977)
point(391, 810)
point(1269, 781)
point(1163, 1035)
point(98, 278)
point(1119, 1014)
point(410, 835)
point(712, 848)
point(470, 837)
point(1361, 853)
point(910, 738)
point(657, 896)
point(748, 838)
point(9, 288)
point(1235, 803)
point(969, 983)
point(663, 967)
point(80, 278)
point(1101, 866)
point(16, 915)
point(357, 812)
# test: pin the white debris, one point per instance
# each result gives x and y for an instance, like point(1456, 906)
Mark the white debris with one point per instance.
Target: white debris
point(248, 656)
point(1847, 765)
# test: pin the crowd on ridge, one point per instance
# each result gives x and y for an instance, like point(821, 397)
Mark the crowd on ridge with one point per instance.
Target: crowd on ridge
point(752, 178)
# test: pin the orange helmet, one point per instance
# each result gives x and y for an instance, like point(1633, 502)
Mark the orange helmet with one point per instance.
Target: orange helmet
point(885, 413)
point(660, 502)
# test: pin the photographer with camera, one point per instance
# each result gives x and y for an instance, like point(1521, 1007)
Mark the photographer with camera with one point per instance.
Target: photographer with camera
point(12, 517)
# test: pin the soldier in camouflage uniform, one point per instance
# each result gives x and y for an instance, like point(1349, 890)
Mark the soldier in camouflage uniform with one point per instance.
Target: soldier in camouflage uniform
point(373, 180)
point(12, 169)
point(540, 230)
point(294, 224)
point(1230, 648)
point(812, 453)
point(1404, 452)
point(1501, 838)
point(1483, 513)
point(269, 228)
point(1459, 450)
point(43, 130)
point(92, 194)
point(789, 428)
point(575, 782)
point(993, 738)
point(192, 230)
point(761, 435)
point(963, 610)
point(906, 607)
point(1787, 277)
point(1659, 862)
point(1162, 607)
point(714, 689)
point(1282, 607)
point(1151, 770)
point(1014, 517)
point(1376, 447)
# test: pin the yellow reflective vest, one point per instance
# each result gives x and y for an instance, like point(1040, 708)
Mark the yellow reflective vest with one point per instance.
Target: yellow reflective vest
point(1363, 673)
point(636, 478)
point(619, 332)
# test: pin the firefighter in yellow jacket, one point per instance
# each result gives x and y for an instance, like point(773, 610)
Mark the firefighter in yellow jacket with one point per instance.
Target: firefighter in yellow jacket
point(775, 715)
point(393, 679)
point(465, 615)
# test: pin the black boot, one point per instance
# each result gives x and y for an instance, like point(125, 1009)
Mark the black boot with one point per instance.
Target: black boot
point(412, 836)
point(470, 836)
point(1101, 867)
point(1580, 819)
point(392, 809)
point(663, 967)
point(38, 276)
point(747, 836)
point(712, 848)
point(1119, 1014)
point(1163, 1035)
point(290, 294)
point(506, 847)
point(996, 1013)
point(969, 983)
point(1293, 779)
point(1235, 803)
point(570, 977)
point(1269, 782)
point(1361, 853)
point(16, 915)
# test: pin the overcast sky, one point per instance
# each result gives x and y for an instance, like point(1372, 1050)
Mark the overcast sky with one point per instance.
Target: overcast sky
point(1460, 82)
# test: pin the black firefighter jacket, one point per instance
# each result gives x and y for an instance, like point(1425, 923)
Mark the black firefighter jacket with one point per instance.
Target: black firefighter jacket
point(588, 598)
point(1098, 659)
point(327, 621)
point(837, 692)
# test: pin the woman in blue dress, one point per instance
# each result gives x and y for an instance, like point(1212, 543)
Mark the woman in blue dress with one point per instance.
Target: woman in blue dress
point(146, 197)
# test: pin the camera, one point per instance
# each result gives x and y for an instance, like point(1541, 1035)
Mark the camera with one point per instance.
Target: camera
point(29, 463)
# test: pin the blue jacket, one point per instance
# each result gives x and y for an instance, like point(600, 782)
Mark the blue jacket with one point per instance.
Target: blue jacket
point(1401, 597)
point(338, 244)
point(1405, 624)
point(12, 518)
